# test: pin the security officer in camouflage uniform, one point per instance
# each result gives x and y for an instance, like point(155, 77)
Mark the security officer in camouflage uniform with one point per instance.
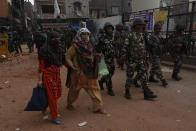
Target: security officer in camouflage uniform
point(17, 42)
point(126, 29)
point(107, 48)
point(30, 42)
point(119, 39)
point(178, 47)
point(135, 53)
point(146, 39)
point(156, 51)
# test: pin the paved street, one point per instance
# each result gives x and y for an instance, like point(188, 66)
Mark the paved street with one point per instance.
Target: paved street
point(174, 110)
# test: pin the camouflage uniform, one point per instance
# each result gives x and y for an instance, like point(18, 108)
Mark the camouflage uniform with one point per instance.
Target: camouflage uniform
point(119, 39)
point(146, 36)
point(156, 50)
point(178, 47)
point(135, 54)
point(30, 42)
point(17, 40)
point(107, 48)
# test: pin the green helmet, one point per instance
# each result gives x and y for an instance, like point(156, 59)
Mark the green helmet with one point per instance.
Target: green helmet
point(180, 27)
point(119, 25)
point(138, 22)
point(126, 28)
point(158, 25)
point(108, 24)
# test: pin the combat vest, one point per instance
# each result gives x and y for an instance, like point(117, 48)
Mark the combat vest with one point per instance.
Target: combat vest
point(108, 48)
point(156, 50)
point(137, 48)
point(174, 41)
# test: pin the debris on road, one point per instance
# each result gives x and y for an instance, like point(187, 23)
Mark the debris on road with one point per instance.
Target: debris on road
point(179, 91)
point(6, 82)
point(108, 115)
point(82, 124)
point(45, 117)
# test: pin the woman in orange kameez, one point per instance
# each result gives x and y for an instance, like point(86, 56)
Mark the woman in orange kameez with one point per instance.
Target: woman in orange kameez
point(51, 58)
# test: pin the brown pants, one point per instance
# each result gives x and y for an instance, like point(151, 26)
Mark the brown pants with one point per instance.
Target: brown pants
point(90, 86)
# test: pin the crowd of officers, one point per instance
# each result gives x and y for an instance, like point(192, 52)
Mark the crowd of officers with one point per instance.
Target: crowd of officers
point(140, 52)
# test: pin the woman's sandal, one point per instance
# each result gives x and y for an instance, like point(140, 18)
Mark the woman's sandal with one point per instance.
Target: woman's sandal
point(100, 111)
point(58, 121)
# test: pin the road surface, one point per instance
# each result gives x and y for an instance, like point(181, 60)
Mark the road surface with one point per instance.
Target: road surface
point(173, 110)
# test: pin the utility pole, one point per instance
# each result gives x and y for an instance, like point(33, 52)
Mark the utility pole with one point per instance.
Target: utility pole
point(122, 10)
point(122, 7)
point(106, 6)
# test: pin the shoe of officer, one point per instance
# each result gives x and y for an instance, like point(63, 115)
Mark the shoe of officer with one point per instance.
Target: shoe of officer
point(152, 79)
point(127, 94)
point(175, 76)
point(110, 91)
point(101, 85)
point(164, 83)
point(148, 94)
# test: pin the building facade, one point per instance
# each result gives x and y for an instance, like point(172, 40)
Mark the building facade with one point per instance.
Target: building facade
point(118, 7)
point(68, 9)
point(12, 13)
point(140, 5)
point(97, 8)
point(45, 9)
point(105, 8)
point(77, 8)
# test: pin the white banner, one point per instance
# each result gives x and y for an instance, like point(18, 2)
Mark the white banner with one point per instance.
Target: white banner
point(56, 9)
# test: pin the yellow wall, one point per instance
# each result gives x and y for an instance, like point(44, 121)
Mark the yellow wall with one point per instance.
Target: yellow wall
point(161, 16)
point(4, 44)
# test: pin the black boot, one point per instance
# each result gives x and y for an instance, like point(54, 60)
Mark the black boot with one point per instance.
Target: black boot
point(109, 87)
point(101, 85)
point(127, 94)
point(164, 83)
point(110, 92)
point(152, 79)
point(148, 94)
point(176, 77)
point(137, 85)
